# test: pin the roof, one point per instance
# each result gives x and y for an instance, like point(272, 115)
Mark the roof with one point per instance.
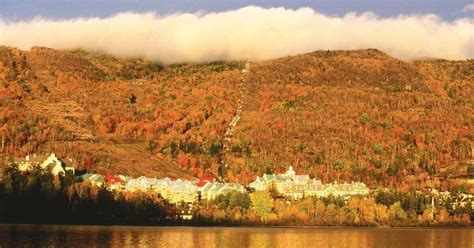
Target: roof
point(301, 177)
point(316, 181)
point(85, 176)
point(182, 186)
point(96, 178)
point(206, 187)
point(222, 187)
point(113, 179)
point(124, 178)
point(216, 187)
point(205, 179)
point(268, 177)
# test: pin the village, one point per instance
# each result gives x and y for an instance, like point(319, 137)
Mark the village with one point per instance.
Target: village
point(186, 194)
point(183, 192)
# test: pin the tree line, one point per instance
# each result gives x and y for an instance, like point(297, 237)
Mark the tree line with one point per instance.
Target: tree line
point(40, 198)
point(386, 208)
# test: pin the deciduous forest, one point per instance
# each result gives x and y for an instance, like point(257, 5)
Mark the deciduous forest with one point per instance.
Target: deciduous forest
point(340, 115)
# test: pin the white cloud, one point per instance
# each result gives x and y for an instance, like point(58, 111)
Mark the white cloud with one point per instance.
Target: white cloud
point(468, 7)
point(248, 33)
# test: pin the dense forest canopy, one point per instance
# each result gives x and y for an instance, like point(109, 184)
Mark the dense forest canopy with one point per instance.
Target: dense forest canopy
point(336, 115)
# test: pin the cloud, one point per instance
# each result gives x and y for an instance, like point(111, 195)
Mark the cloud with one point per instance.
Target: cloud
point(468, 7)
point(248, 33)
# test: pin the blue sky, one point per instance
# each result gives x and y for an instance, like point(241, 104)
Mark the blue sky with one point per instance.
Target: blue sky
point(55, 9)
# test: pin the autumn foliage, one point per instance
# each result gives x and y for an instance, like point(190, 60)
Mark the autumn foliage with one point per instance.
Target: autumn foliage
point(340, 115)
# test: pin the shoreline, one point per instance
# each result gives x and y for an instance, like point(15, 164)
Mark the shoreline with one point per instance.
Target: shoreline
point(247, 226)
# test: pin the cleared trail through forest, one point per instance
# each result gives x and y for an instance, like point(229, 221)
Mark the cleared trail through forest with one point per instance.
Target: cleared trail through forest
point(229, 134)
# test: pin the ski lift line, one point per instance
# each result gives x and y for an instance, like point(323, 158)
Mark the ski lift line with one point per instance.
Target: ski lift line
point(235, 120)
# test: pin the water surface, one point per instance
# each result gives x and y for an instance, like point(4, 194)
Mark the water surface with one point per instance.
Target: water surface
point(120, 236)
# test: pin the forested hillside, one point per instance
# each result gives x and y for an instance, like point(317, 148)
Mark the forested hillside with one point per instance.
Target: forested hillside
point(339, 115)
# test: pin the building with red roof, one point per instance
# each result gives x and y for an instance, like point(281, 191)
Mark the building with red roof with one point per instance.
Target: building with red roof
point(205, 179)
point(112, 180)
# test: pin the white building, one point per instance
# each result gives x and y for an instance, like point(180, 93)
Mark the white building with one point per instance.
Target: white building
point(183, 191)
point(51, 163)
point(210, 190)
point(279, 181)
point(298, 186)
point(173, 191)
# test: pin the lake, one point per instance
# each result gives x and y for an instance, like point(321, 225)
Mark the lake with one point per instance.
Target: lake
point(120, 236)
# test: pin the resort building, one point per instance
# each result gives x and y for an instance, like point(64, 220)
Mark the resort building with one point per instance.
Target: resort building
point(280, 181)
point(298, 186)
point(182, 191)
point(113, 182)
point(173, 191)
point(96, 180)
point(210, 191)
point(51, 163)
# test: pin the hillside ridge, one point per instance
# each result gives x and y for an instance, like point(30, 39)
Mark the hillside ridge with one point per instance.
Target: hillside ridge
point(336, 115)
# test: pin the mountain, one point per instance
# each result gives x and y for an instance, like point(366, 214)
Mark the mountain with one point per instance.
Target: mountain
point(337, 115)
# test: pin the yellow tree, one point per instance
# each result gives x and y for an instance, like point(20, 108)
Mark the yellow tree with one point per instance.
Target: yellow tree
point(262, 204)
point(381, 214)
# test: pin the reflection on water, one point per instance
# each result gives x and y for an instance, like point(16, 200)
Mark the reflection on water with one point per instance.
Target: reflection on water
point(118, 236)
